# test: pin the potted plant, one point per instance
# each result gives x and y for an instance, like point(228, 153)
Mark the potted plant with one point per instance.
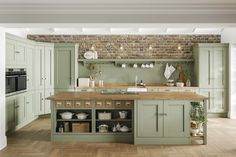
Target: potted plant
point(197, 115)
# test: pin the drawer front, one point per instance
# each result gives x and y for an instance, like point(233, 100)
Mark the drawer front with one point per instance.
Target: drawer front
point(104, 104)
point(78, 104)
point(124, 104)
point(69, 104)
point(59, 104)
point(87, 104)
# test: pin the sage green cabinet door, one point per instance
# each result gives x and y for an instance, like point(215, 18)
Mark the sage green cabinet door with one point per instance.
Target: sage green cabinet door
point(39, 67)
point(176, 118)
point(64, 67)
point(21, 54)
point(10, 52)
point(47, 103)
point(219, 101)
point(149, 118)
point(205, 67)
point(39, 102)
point(49, 67)
point(10, 114)
point(210, 103)
point(29, 105)
point(20, 109)
point(30, 53)
point(219, 67)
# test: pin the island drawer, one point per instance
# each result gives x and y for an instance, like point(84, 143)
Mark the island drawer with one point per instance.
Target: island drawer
point(64, 104)
point(124, 104)
point(104, 104)
point(83, 104)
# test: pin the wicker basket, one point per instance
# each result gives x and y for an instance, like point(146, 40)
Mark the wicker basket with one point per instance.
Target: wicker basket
point(104, 115)
point(80, 127)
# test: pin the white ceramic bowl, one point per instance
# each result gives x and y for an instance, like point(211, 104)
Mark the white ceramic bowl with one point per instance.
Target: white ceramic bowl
point(66, 115)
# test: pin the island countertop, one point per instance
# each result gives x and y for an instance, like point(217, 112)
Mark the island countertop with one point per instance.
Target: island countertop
point(129, 96)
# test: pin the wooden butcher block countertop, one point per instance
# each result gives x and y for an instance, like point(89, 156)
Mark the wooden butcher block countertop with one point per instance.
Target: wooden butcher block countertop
point(129, 96)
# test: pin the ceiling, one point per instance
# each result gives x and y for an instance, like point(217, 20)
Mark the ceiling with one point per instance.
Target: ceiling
point(122, 11)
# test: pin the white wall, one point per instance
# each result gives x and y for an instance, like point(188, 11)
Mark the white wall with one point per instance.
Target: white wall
point(229, 36)
point(2, 89)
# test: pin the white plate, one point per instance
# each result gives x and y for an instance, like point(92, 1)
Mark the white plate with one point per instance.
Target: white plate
point(89, 55)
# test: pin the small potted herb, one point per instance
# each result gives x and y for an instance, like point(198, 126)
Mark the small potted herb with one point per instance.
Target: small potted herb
point(197, 115)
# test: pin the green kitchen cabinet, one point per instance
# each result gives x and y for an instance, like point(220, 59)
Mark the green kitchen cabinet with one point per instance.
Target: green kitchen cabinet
point(66, 66)
point(20, 109)
point(29, 106)
point(16, 55)
point(47, 103)
point(44, 66)
point(49, 67)
point(30, 54)
point(210, 65)
point(176, 119)
point(39, 67)
point(211, 72)
point(162, 122)
point(39, 102)
point(150, 118)
point(10, 113)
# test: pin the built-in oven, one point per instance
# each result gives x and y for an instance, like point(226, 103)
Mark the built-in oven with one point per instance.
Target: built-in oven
point(15, 80)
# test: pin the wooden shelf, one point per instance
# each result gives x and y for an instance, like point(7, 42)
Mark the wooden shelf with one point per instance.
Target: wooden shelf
point(74, 120)
point(131, 61)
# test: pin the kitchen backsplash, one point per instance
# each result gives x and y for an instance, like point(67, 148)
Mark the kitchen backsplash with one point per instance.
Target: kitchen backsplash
point(133, 46)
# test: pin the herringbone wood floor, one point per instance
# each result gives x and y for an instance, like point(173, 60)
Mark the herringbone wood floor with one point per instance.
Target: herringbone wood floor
point(34, 141)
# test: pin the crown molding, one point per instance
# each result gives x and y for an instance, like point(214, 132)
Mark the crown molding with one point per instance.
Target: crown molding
point(119, 9)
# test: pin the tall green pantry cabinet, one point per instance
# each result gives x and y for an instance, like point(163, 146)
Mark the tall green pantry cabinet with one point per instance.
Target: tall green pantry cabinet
point(66, 67)
point(211, 72)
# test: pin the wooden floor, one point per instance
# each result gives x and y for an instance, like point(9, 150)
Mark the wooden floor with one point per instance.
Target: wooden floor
point(34, 141)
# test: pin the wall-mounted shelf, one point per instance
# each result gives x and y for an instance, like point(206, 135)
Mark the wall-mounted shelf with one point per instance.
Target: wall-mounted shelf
point(130, 61)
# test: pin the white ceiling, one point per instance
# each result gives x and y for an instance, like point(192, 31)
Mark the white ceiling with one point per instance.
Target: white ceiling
point(117, 2)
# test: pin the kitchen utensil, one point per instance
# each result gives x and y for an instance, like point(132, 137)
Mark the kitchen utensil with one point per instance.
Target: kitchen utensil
point(114, 129)
point(89, 55)
point(66, 115)
point(66, 127)
point(103, 128)
point(123, 65)
point(81, 115)
point(168, 71)
point(135, 66)
point(123, 114)
point(147, 66)
point(151, 65)
point(95, 55)
point(143, 66)
point(100, 83)
point(179, 84)
point(92, 83)
point(118, 126)
point(124, 129)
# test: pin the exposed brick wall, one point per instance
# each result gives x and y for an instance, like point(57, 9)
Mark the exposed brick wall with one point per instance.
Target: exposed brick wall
point(135, 46)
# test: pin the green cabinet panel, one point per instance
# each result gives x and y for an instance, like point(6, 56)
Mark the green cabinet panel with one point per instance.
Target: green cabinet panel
point(65, 66)
point(150, 120)
point(30, 54)
point(29, 105)
point(49, 67)
point(10, 113)
point(176, 121)
point(10, 52)
point(20, 109)
point(162, 121)
point(16, 55)
point(47, 103)
point(39, 67)
point(211, 73)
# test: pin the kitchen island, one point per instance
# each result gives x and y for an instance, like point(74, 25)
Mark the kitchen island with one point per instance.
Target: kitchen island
point(150, 117)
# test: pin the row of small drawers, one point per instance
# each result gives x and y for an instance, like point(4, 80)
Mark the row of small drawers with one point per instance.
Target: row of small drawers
point(98, 104)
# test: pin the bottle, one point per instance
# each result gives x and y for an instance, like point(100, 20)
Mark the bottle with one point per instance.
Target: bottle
point(188, 83)
point(61, 129)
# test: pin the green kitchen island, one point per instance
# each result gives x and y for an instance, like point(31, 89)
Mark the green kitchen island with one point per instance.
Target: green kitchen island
point(139, 118)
